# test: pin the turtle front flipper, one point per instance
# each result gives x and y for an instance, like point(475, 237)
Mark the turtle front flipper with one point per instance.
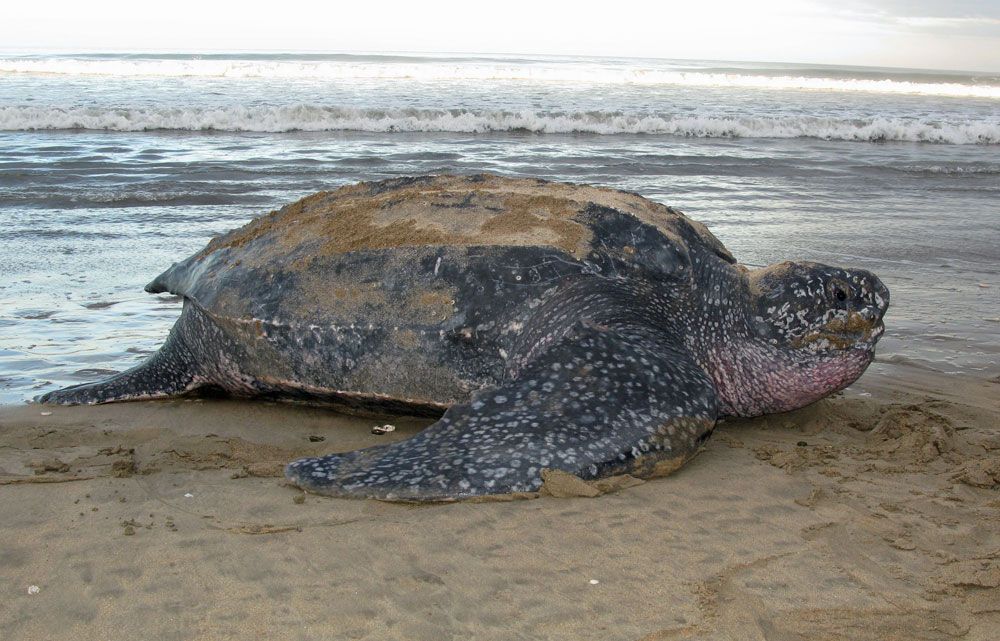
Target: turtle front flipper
point(599, 402)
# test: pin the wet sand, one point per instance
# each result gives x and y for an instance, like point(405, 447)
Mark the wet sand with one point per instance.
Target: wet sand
point(873, 515)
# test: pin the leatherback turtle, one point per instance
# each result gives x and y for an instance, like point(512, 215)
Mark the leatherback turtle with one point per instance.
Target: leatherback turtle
point(555, 325)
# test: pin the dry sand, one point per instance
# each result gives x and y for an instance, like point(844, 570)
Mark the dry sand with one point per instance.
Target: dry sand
point(871, 515)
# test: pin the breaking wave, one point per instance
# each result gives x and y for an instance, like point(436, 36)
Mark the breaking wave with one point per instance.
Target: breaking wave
point(306, 117)
point(952, 170)
point(464, 70)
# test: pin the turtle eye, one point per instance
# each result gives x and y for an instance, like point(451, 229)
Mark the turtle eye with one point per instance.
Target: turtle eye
point(839, 290)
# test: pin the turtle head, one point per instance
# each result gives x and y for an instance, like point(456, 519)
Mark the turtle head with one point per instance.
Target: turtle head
point(818, 308)
point(816, 326)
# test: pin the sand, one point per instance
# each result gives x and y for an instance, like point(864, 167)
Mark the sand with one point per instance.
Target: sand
point(871, 515)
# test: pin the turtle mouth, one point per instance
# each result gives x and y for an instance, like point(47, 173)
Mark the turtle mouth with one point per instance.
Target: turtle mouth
point(840, 337)
point(867, 341)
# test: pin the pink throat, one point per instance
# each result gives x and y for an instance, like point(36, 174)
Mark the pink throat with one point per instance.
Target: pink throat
point(756, 379)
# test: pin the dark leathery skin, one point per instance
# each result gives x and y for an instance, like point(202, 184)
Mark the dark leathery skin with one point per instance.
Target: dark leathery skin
point(614, 331)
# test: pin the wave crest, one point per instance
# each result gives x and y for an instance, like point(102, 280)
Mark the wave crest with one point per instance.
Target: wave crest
point(490, 70)
point(321, 118)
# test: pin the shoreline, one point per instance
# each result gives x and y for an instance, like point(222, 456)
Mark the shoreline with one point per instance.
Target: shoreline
point(169, 519)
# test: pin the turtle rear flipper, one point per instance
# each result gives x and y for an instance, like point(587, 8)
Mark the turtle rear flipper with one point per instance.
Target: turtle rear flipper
point(597, 403)
point(169, 372)
point(172, 370)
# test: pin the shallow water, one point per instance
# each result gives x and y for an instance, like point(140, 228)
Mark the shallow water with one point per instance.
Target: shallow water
point(87, 217)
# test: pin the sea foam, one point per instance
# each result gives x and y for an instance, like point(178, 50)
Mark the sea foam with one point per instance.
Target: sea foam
point(307, 117)
point(445, 70)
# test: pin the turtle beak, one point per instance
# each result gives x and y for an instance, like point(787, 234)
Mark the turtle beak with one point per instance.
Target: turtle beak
point(876, 301)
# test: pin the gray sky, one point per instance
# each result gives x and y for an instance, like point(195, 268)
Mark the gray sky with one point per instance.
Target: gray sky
point(934, 34)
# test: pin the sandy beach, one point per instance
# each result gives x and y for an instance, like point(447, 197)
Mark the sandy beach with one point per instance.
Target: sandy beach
point(874, 514)
point(178, 172)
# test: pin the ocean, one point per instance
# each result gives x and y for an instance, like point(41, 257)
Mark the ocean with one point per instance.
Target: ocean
point(113, 166)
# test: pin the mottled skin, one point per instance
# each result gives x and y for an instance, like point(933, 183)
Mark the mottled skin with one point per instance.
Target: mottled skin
point(556, 326)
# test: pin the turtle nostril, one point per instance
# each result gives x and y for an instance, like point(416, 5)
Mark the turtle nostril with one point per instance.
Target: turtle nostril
point(875, 293)
point(881, 296)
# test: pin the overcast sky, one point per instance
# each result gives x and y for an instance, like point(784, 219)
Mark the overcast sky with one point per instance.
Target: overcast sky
point(934, 34)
